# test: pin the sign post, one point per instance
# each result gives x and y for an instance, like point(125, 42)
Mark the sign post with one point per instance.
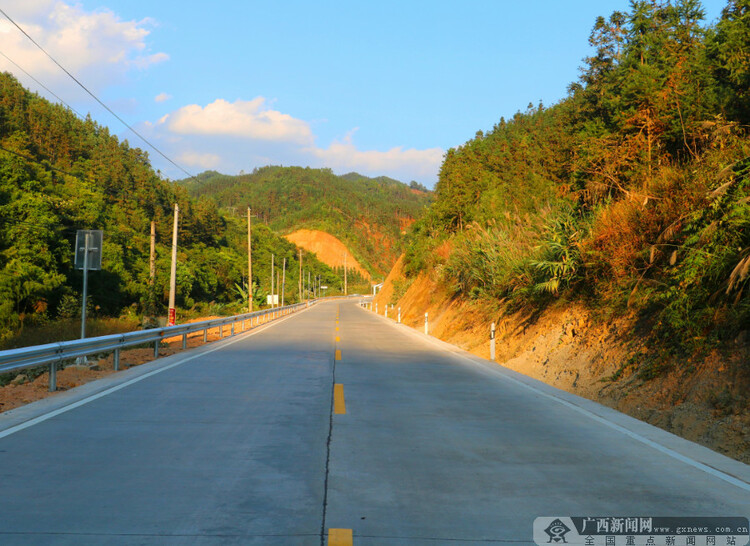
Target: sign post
point(88, 256)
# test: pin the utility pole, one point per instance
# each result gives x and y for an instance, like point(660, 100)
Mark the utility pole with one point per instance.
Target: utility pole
point(300, 275)
point(309, 284)
point(283, 284)
point(278, 284)
point(249, 264)
point(272, 280)
point(172, 319)
point(152, 258)
point(345, 283)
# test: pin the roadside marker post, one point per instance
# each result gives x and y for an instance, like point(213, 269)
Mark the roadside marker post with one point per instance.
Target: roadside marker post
point(426, 325)
point(386, 311)
point(492, 342)
point(399, 315)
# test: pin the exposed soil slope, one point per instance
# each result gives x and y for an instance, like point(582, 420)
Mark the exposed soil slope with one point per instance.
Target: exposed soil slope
point(704, 400)
point(329, 249)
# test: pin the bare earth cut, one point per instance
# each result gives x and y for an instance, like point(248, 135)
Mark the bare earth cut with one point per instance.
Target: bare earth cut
point(329, 249)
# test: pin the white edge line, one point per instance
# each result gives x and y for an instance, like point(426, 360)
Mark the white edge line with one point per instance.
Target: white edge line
point(635, 436)
point(79, 403)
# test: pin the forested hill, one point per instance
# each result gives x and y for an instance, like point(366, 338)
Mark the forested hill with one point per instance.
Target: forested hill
point(368, 214)
point(631, 195)
point(58, 174)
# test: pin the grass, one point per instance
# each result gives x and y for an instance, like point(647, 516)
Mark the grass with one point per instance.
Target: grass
point(68, 329)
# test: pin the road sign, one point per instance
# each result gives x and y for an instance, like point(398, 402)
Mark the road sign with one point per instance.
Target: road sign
point(272, 299)
point(94, 247)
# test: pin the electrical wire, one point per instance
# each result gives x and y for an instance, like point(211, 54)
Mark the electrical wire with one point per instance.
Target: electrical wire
point(42, 85)
point(107, 108)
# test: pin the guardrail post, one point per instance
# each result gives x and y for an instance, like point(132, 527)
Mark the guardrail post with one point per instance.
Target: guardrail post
point(399, 315)
point(232, 329)
point(52, 376)
point(205, 335)
point(492, 342)
point(184, 341)
point(221, 331)
point(116, 359)
point(426, 325)
point(156, 348)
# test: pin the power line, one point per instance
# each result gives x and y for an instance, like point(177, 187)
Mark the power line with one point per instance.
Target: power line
point(94, 96)
point(42, 85)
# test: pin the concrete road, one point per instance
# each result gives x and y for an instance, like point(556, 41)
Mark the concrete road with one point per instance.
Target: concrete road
point(283, 434)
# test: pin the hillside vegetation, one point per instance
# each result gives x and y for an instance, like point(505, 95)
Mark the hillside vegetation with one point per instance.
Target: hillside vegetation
point(367, 214)
point(631, 196)
point(59, 173)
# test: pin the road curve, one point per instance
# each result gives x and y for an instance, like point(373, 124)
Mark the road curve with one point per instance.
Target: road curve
point(336, 419)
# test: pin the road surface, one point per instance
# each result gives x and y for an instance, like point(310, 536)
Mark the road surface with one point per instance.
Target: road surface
point(280, 435)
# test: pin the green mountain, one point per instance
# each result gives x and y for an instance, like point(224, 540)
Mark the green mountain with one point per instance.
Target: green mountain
point(367, 214)
point(59, 173)
point(631, 195)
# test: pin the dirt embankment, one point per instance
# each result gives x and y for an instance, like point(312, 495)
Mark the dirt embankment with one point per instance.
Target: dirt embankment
point(329, 249)
point(705, 400)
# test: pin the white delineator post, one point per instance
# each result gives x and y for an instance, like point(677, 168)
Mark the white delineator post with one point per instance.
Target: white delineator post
point(426, 325)
point(399, 315)
point(172, 319)
point(386, 311)
point(492, 342)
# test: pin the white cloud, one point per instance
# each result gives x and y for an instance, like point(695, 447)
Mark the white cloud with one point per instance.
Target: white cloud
point(96, 46)
point(162, 97)
point(245, 119)
point(344, 155)
point(195, 159)
point(242, 135)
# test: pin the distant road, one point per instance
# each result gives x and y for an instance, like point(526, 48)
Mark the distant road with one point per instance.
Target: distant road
point(387, 436)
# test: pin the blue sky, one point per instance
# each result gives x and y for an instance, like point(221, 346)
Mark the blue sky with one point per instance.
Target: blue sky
point(376, 87)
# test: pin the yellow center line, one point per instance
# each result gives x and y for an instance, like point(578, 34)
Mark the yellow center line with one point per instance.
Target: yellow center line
point(340, 537)
point(338, 339)
point(337, 328)
point(339, 406)
point(338, 353)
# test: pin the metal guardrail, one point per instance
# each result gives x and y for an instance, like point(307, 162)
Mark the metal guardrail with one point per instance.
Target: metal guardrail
point(54, 354)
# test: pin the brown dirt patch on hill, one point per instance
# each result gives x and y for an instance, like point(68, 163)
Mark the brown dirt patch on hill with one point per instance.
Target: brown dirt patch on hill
point(329, 249)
